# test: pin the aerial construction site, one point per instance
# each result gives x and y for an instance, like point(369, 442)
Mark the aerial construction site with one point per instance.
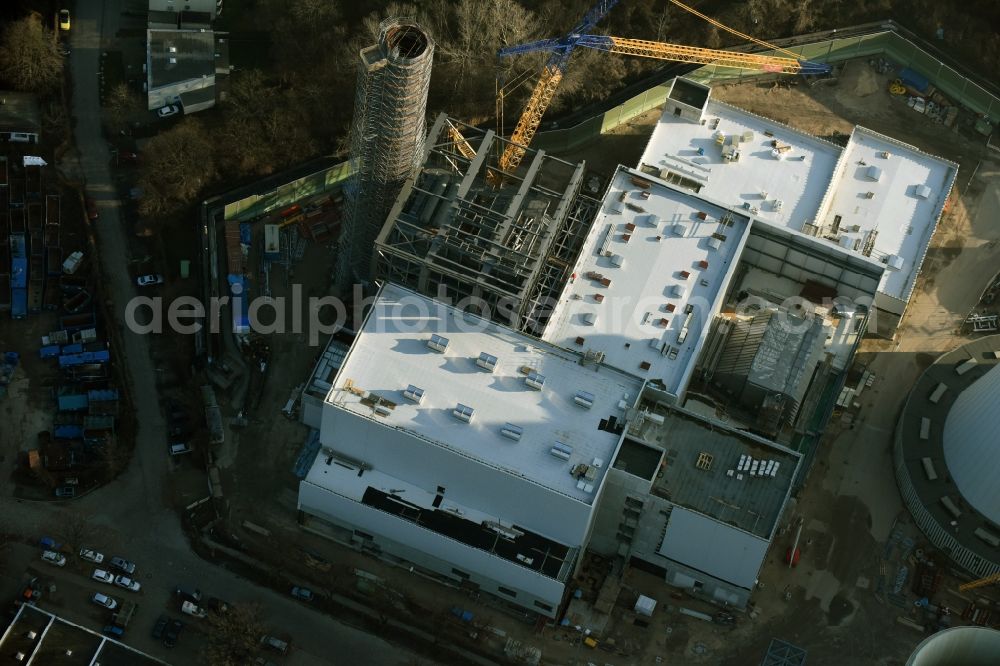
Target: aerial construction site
point(702, 373)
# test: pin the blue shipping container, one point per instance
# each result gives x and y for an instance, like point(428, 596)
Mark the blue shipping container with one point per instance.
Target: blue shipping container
point(68, 432)
point(18, 303)
point(72, 403)
point(51, 351)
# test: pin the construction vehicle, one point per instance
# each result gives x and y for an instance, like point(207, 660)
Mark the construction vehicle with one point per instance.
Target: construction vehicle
point(561, 49)
point(982, 582)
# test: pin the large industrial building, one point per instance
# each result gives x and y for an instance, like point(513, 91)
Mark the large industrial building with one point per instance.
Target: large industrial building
point(946, 454)
point(467, 449)
point(696, 326)
point(878, 200)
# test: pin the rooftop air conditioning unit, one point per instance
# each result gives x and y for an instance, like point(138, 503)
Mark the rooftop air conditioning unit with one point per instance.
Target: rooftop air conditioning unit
point(584, 399)
point(535, 380)
point(172, 61)
point(438, 343)
point(561, 451)
point(414, 394)
point(463, 413)
point(487, 362)
point(511, 431)
point(382, 410)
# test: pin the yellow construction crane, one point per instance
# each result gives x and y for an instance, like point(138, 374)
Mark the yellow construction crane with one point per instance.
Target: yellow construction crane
point(982, 582)
point(560, 49)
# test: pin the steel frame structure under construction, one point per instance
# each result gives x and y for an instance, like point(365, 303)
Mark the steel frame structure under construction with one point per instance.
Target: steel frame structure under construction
point(387, 136)
point(499, 243)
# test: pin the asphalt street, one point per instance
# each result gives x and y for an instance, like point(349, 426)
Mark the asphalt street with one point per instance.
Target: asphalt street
point(133, 513)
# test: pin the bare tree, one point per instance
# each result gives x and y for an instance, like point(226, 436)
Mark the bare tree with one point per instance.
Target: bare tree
point(121, 104)
point(234, 635)
point(29, 55)
point(178, 164)
point(114, 456)
point(76, 530)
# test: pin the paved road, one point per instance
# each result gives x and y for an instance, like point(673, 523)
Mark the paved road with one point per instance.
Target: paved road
point(134, 514)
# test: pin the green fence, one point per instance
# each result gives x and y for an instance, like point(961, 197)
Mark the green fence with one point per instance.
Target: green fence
point(888, 43)
point(320, 182)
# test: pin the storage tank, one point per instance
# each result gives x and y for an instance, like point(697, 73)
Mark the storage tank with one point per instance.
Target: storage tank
point(967, 646)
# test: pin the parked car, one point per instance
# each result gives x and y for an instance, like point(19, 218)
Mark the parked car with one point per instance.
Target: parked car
point(92, 212)
point(66, 492)
point(48, 543)
point(104, 600)
point(160, 625)
point(64, 20)
point(149, 280)
point(113, 632)
point(172, 632)
point(188, 593)
point(91, 555)
point(274, 643)
point(127, 583)
point(217, 605)
point(52, 557)
point(179, 448)
point(103, 576)
point(167, 111)
point(123, 564)
point(303, 593)
point(193, 609)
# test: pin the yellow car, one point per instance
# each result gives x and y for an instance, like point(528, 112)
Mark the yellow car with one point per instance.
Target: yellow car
point(64, 20)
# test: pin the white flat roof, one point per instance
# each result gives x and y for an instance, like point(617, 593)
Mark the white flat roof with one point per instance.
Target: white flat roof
point(391, 352)
point(908, 188)
point(758, 179)
point(635, 316)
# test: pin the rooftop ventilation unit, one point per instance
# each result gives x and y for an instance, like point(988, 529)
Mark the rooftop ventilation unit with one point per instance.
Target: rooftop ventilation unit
point(590, 318)
point(561, 451)
point(584, 399)
point(382, 410)
point(922, 191)
point(463, 413)
point(438, 343)
point(535, 381)
point(894, 262)
point(874, 173)
point(172, 49)
point(714, 243)
point(679, 291)
point(414, 394)
point(617, 260)
point(172, 61)
point(677, 229)
point(487, 362)
point(511, 431)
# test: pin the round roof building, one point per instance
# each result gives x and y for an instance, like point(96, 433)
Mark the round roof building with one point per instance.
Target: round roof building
point(968, 646)
point(947, 453)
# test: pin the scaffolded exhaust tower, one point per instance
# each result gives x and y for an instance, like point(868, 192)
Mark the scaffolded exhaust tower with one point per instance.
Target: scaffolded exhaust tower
point(387, 137)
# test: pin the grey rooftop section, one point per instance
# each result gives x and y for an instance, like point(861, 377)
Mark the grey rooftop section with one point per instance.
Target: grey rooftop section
point(180, 55)
point(752, 503)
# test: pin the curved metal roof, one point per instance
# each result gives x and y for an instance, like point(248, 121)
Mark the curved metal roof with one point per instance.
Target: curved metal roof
point(972, 444)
